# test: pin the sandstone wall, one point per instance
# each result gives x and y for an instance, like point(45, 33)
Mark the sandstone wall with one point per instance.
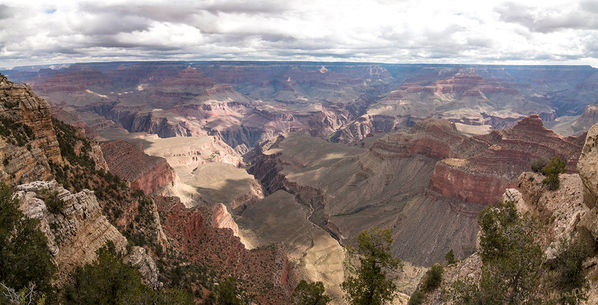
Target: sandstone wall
point(29, 161)
point(147, 173)
point(76, 232)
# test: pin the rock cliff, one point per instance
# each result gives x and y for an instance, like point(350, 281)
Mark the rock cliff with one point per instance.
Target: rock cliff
point(27, 140)
point(74, 232)
point(588, 118)
point(265, 272)
point(567, 212)
point(147, 173)
point(493, 162)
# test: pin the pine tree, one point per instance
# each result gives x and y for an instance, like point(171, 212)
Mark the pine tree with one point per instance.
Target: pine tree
point(371, 285)
point(24, 255)
point(310, 294)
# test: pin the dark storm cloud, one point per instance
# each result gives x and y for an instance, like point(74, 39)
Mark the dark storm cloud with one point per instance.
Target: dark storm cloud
point(585, 16)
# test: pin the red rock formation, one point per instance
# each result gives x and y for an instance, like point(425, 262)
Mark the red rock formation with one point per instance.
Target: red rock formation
point(70, 80)
point(265, 272)
point(434, 138)
point(450, 180)
point(588, 118)
point(221, 218)
point(147, 173)
point(483, 176)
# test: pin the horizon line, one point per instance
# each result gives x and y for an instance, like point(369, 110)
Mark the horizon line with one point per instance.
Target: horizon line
point(11, 68)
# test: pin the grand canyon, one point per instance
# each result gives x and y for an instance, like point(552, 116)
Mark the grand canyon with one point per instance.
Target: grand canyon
point(267, 171)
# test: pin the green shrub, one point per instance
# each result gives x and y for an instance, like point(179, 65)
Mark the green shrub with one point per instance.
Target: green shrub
point(416, 298)
point(432, 278)
point(552, 171)
point(110, 281)
point(227, 293)
point(449, 257)
point(310, 294)
point(67, 138)
point(53, 203)
point(24, 254)
point(538, 164)
point(568, 266)
point(15, 133)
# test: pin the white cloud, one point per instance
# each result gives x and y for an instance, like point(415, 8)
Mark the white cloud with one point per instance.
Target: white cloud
point(458, 31)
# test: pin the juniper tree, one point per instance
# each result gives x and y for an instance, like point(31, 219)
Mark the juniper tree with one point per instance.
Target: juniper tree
point(371, 284)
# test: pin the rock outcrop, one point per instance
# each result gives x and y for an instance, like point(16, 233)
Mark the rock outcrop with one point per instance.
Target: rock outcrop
point(588, 167)
point(22, 105)
point(222, 219)
point(147, 173)
point(76, 231)
point(138, 257)
point(27, 139)
point(588, 118)
point(265, 272)
point(489, 164)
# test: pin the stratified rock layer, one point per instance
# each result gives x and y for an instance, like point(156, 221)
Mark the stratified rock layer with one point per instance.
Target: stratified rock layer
point(480, 175)
point(265, 273)
point(147, 173)
point(26, 161)
point(75, 232)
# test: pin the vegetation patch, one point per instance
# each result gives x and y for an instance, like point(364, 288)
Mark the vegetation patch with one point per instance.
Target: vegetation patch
point(26, 267)
point(110, 281)
point(53, 203)
point(68, 137)
point(15, 133)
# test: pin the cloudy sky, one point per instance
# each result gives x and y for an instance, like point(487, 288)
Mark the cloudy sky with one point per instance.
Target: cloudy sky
point(395, 31)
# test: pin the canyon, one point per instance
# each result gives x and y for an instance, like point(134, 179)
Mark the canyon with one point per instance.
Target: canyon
point(244, 103)
point(567, 213)
point(62, 179)
point(265, 171)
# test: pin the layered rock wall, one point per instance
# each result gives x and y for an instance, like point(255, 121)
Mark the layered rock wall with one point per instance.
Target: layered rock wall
point(28, 142)
point(482, 175)
point(147, 173)
point(76, 231)
point(265, 272)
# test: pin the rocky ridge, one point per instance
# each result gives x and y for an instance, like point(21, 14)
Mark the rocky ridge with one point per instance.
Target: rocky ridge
point(244, 103)
point(78, 230)
point(147, 173)
point(569, 211)
point(113, 212)
point(482, 175)
point(27, 141)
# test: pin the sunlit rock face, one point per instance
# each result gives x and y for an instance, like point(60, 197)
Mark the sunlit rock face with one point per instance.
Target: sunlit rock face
point(502, 155)
point(74, 233)
point(147, 173)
